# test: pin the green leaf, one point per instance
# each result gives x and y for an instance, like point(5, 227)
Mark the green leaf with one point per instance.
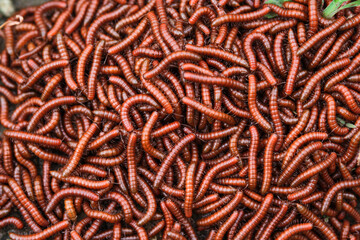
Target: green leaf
point(276, 2)
point(350, 5)
point(340, 120)
point(335, 6)
point(271, 15)
point(350, 125)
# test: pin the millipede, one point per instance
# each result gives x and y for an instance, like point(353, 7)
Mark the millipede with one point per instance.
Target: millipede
point(176, 119)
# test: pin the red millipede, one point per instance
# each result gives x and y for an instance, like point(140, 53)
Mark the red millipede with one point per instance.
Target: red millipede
point(125, 205)
point(320, 35)
point(214, 218)
point(80, 73)
point(351, 51)
point(291, 231)
point(320, 54)
point(272, 224)
point(169, 159)
point(226, 225)
point(220, 81)
point(13, 221)
point(27, 217)
point(102, 20)
point(91, 12)
point(265, 28)
point(289, 218)
point(95, 67)
point(317, 222)
point(268, 159)
point(252, 163)
point(59, 24)
point(38, 18)
point(168, 217)
point(252, 105)
point(243, 17)
point(208, 111)
point(189, 185)
point(297, 14)
point(331, 116)
point(47, 107)
point(26, 179)
point(306, 191)
point(11, 74)
point(134, 17)
point(295, 63)
point(151, 207)
point(314, 170)
point(259, 215)
point(225, 55)
point(249, 39)
point(301, 141)
point(174, 209)
point(130, 153)
point(131, 38)
point(43, 234)
point(310, 85)
point(80, 147)
point(336, 47)
point(104, 216)
point(154, 91)
point(82, 182)
point(156, 30)
point(211, 174)
point(234, 109)
point(334, 189)
point(312, 198)
point(125, 108)
point(343, 74)
point(104, 138)
point(29, 206)
point(181, 55)
point(34, 138)
point(292, 166)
